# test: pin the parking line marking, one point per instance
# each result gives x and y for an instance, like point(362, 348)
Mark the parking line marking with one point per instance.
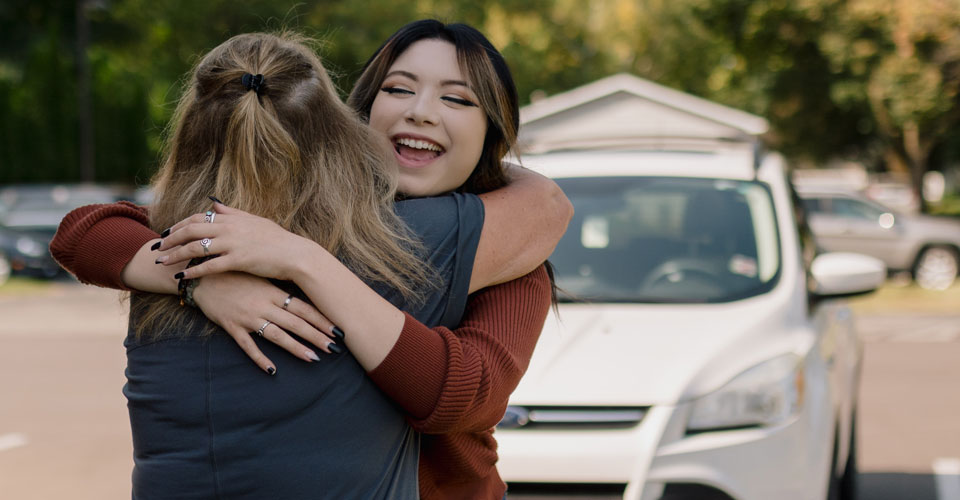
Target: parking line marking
point(10, 441)
point(946, 473)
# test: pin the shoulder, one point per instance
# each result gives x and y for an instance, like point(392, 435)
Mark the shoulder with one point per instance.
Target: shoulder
point(455, 216)
point(438, 208)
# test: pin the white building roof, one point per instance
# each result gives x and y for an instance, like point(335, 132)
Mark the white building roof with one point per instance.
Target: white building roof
point(624, 110)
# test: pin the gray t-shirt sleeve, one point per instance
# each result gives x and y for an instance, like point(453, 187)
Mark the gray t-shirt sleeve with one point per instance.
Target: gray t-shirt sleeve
point(449, 227)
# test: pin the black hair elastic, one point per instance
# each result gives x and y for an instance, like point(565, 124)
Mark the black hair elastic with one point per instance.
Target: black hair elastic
point(253, 82)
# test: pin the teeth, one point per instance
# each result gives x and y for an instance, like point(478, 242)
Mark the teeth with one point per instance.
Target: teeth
point(413, 143)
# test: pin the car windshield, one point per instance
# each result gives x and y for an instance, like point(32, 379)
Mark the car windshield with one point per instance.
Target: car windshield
point(659, 239)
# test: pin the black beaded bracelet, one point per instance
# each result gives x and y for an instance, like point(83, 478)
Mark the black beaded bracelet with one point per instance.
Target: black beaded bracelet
point(185, 286)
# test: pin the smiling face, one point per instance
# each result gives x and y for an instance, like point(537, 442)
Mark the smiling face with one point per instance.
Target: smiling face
point(429, 111)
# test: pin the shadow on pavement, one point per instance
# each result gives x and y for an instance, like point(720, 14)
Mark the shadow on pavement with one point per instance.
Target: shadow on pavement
point(896, 486)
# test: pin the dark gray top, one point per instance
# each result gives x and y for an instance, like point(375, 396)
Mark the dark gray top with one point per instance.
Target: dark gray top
point(207, 423)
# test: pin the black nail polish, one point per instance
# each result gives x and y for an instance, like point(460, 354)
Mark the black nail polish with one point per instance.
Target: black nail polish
point(338, 332)
point(156, 245)
point(165, 233)
point(271, 370)
point(214, 198)
point(156, 261)
point(178, 275)
point(334, 348)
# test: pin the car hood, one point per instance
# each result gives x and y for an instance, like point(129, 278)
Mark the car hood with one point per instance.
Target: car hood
point(638, 354)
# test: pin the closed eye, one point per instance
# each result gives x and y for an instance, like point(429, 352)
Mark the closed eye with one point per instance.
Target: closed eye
point(457, 100)
point(396, 90)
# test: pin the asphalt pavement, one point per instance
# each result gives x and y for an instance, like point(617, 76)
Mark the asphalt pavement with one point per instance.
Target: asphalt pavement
point(64, 431)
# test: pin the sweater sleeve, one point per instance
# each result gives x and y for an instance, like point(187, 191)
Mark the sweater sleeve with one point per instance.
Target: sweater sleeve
point(96, 242)
point(460, 380)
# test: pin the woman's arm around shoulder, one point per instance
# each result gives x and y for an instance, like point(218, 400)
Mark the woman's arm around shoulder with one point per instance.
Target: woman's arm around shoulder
point(96, 242)
point(460, 380)
point(523, 223)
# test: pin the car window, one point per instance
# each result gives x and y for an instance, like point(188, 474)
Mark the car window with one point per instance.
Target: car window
point(812, 205)
point(846, 207)
point(656, 239)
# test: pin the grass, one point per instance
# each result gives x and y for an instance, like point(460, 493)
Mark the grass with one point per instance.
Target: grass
point(19, 285)
point(950, 205)
point(901, 296)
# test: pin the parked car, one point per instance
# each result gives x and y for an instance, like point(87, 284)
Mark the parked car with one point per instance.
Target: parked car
point(25, 250)
point(699, 351)
point(926, 246)
point(29, 217)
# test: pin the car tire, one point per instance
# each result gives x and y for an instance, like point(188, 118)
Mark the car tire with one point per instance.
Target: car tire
point(936, 267)
point(844, 486)
point(848, 481)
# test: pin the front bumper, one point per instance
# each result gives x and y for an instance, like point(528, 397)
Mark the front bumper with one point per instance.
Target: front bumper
point(786, 462)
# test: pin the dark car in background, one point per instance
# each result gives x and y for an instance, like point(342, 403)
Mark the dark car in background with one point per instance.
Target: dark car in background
point(926, 246)
point(29, 217)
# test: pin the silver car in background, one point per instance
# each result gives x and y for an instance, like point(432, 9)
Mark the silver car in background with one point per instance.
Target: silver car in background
point(926, 246)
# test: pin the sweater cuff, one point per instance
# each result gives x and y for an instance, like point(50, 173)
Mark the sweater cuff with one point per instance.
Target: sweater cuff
point(101, 253)
point(417, 350)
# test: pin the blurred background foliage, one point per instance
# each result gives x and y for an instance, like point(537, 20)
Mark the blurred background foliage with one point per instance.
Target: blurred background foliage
point(872, 81)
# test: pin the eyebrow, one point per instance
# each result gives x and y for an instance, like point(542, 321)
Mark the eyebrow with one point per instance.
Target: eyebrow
point(413, 77)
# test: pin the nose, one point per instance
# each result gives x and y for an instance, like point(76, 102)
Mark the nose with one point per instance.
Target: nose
point(422, 110)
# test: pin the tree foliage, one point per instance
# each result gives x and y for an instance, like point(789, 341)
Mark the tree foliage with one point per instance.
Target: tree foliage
point(873, 81)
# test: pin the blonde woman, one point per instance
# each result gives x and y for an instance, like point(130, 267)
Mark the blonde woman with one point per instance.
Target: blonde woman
point(379, 339)
point(204, 424)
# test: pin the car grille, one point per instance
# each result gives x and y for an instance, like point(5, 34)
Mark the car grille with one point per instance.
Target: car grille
point(579, 417)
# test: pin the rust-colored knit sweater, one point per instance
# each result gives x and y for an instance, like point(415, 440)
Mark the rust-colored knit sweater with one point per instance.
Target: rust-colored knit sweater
point(453, 384)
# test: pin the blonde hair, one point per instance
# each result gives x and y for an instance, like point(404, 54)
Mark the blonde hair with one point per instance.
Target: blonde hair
point(291, 152)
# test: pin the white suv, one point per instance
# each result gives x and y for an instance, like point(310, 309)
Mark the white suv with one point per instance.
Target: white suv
point(697, 353)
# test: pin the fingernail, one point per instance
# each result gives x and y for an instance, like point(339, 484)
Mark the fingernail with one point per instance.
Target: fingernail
point(156, 245)
point(165, 233)
point(334, 348)
point(162, 259)
point(271, 370)
point(178, 276)
point(214, 198)
point(338, 332)
point(312, 355)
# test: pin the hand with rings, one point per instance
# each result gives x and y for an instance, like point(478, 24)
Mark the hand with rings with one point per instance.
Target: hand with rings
point(248, 308)
point(244, 242)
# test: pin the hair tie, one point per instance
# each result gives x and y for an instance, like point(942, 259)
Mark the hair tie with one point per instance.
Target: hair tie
point(253, 82)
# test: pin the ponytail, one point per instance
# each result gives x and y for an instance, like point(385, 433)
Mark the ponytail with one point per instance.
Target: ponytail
point(258, 153)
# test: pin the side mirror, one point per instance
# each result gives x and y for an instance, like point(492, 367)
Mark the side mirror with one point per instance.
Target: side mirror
point(843, 274)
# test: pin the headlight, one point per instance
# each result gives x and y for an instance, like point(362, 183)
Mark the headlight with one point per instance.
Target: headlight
point(766, 394)
point(29, 247)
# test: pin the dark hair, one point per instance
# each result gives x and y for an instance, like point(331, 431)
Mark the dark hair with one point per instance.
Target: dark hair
point(486, 70)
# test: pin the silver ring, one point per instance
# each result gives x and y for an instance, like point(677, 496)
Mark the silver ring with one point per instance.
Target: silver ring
point(286, 302)
point(205, 243)
point(209, 216)
point(262, 328)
